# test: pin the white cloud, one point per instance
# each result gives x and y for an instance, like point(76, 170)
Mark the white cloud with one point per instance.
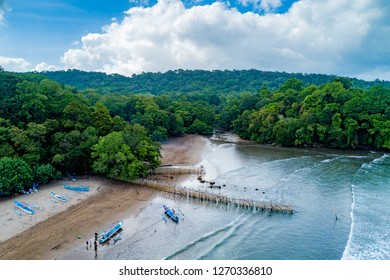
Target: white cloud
point(45, 67)
point(373, 74)
point(21, 65)
point(313, 36)
point(140, 2)
point(14, 64)
point(3, 8)
point(75, 43)
point(265, 5)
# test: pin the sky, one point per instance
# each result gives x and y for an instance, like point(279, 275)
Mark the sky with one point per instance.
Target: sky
point(341, 37)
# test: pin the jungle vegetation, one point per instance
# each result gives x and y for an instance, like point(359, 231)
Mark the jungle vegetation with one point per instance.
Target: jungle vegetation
point(49, 129)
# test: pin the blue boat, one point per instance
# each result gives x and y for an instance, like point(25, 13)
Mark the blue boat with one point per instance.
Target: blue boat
point(108, 233)
point(25, 207)
point(77, 189)
point(171, 214)
point(60, 198)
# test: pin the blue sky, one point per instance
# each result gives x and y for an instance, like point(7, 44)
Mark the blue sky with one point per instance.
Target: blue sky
point(344, 37)
point(45, 29)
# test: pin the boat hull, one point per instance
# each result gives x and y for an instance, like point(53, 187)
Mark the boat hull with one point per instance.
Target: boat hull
point(56, 196)
point(110, 232)
point(77, 189)
point(25, 207)
point(169, 212)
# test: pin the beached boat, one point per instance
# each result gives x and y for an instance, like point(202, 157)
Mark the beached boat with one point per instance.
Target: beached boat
point(24, 206)
point(108, 233)
point(171, 214)
point(57, 196)
point(77, 189)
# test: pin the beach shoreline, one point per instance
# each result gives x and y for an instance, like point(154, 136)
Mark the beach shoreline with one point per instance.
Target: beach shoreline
point(14, 220)
point(59, 227)
point(184, 150)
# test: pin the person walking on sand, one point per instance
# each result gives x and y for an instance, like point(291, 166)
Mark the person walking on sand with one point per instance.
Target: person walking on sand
point(96, 250)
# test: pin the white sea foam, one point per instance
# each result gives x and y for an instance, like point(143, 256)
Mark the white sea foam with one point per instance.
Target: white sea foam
point(369, 238)
point(329, 160)
point(221, 242)
point(381, 159)
point(347, 251)
point(206, 236)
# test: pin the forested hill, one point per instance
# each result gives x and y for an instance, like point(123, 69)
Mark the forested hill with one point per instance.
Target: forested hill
point(48, 129)
point(193, 81)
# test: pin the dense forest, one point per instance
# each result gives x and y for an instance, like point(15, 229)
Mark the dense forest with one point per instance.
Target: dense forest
point(217, 81)
point(50, 129)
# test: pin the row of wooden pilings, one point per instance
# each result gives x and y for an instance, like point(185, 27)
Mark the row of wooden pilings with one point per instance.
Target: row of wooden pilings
point(216, 198)
point(175, 170)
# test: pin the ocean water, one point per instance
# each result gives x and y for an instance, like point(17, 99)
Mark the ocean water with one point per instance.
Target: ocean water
point(341, 201)
point(370, 212)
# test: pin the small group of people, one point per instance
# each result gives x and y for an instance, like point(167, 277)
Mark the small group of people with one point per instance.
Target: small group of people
point(32, 190)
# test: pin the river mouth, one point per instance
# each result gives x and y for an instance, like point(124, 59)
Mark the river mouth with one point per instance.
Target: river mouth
point(318, 184)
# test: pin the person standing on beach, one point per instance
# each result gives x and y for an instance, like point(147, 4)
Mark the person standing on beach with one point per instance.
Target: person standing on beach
point(96, 245)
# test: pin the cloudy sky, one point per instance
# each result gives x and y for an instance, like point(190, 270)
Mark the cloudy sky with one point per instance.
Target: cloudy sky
point(343, 37)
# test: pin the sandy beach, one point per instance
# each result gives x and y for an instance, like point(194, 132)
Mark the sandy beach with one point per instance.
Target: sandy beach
point(230, 137)
point(185, 150)
point(57, 227)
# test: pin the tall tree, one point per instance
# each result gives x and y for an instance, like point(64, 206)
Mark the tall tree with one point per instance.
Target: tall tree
point(15, 175)
point(32, 102)
point(113, 158)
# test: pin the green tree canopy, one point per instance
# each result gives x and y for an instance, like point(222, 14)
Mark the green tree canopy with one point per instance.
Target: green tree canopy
point(15, 175)
point(117, 159)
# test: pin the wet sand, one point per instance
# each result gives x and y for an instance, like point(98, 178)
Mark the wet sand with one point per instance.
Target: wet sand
point(14, 221)
point(185, 150)
point(55, 229)
point(60, 232)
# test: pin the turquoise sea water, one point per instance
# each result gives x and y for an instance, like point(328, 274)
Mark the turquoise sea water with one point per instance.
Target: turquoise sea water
point(341, 200)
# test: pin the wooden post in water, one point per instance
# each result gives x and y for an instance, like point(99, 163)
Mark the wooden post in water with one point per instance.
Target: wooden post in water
point(216, 198)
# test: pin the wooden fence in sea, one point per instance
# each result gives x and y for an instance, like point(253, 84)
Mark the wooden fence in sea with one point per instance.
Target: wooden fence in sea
point(178, 170)
point(215, 198)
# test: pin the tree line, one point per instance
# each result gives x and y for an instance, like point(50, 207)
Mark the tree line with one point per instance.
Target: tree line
point(331, 115)
point(217, 81)
point(49, 129)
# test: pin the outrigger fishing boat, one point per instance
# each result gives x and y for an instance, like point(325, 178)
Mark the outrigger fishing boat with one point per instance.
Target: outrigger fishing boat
point(171, 214)
point(77, 189)
point(108, 233)
point(57, 196)
point(24, 206)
